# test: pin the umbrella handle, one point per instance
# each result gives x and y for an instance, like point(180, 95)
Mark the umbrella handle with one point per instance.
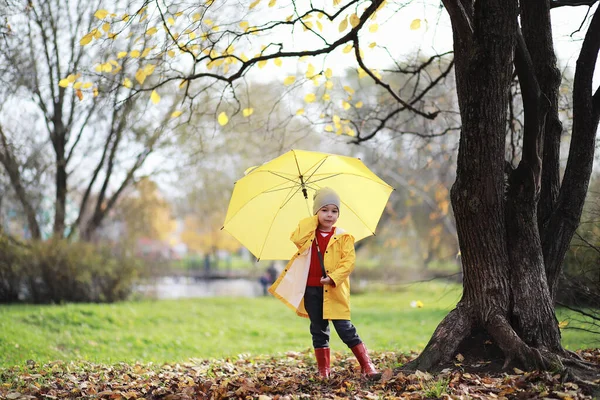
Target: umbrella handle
point(321, 259)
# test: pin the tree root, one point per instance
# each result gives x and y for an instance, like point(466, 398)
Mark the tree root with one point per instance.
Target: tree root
point(459, 326)
point(445, 340)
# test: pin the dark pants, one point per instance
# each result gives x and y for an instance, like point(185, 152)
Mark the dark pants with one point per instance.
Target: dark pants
point(319, 327)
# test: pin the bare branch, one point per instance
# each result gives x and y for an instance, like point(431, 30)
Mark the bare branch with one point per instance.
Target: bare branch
point(571, 3)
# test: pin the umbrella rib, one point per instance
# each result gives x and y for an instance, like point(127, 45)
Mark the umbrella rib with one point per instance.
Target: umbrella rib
point(255, 196)
point(316, 169)
point(326, 177)
point(287, 200)
point(282, 176)
point(290, 197)
point(382, 183)
point(357, 216)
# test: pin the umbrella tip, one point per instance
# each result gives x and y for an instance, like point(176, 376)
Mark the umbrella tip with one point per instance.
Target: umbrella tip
point(222, 227)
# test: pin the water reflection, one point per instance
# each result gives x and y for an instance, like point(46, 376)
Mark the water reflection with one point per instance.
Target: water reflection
point(182, 287)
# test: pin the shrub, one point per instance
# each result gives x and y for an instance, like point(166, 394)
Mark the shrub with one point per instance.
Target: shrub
point(58, 271)
point(11, 274)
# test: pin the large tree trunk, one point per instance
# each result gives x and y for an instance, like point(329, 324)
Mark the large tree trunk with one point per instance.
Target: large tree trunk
point(508, 284)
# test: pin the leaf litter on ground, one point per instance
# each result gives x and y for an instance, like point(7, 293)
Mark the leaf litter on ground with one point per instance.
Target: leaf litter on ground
point(286, 376)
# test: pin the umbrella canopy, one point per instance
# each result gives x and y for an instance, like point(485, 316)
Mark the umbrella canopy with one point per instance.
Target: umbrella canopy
point(268, 202)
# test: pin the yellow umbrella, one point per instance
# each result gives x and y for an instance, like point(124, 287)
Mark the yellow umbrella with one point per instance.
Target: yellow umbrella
point(267, 203)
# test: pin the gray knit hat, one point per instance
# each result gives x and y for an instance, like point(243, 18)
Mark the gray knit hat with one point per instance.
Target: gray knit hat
point(323, 197)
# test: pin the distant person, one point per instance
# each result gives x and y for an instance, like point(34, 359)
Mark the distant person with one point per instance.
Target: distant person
point(272, 273)
point(265, 281)
point(315, 283)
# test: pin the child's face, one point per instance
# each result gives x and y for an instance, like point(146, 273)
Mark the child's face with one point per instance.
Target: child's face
point(328, 216)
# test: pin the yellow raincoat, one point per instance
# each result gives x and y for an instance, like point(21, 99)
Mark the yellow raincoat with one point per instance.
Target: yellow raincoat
point(339, 260)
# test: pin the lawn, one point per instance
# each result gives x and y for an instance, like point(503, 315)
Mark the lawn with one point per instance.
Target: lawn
point(174, 331)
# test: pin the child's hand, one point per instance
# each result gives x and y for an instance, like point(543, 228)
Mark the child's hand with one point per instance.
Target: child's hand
point(326, 281)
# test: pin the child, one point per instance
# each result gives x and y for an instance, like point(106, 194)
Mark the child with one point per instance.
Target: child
point(305, 288)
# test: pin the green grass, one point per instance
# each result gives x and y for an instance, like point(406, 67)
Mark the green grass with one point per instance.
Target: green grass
point(177, 330)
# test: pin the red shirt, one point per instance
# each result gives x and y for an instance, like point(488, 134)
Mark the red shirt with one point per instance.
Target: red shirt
point(315, 273)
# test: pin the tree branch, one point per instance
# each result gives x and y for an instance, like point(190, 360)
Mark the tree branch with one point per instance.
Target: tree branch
point(12, 168)
point(535, 108)
point(571, 3)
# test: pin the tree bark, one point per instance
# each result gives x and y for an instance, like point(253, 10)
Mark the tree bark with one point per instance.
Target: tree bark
point(58, 141)
point(509, 273)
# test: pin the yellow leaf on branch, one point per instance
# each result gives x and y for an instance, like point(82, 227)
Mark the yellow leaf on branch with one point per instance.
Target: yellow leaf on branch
point(127, 83)
point(310, 71)
point(345, 105)
point(300, 111)
point(101, 14)
point(326, 97)
point(253, 4)
point(140, 76)
point(121, 54)
point(176, 113)
point(343, 25)
point(415, 24)
point(86, 39)
point(247, 112)
point(347, 49)
point(79, 95)
point(310, 98)
point(149, 69)
point(328, 73)
point(349, 89)
point(155, 97)
point(289, 80)
point(277, 61)
point(106, 27)
point(272, 3)
point(77, 85)
point(359, 104)
point(262, 63)
point(134, 54)
point(223, 119)
point(63, 83)
point(328, 128)
point(373, 28)
point(354, 20)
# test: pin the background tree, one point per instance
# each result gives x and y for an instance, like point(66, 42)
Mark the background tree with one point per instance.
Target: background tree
point(514, 225)
point(97, 135)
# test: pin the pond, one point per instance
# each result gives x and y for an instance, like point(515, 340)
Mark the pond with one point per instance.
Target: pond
point(184, 287)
